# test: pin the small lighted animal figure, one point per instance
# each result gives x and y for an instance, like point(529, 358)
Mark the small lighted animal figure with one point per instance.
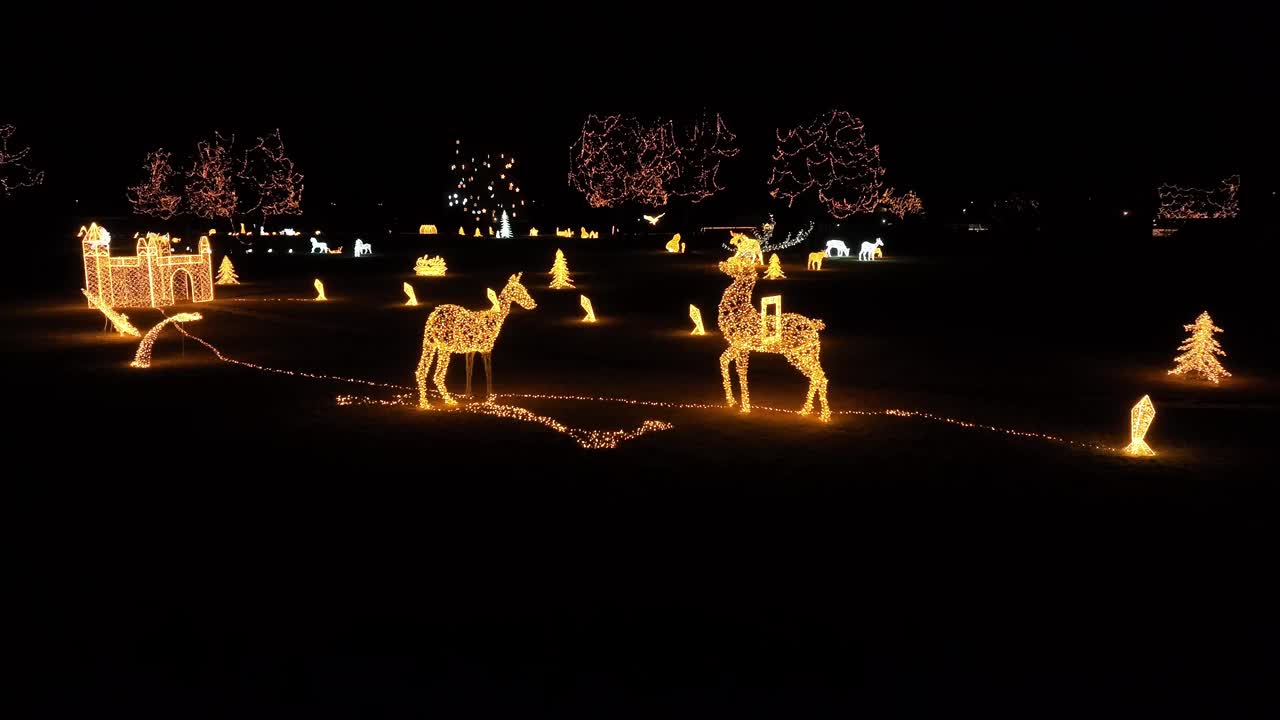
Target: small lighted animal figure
point(319, 291)
point(454, 329)
point(363, 248)
point(793, 336)
point(837, 248)
point(319, 247)
point(408, 290)
point(868, 250)
point(674, 245)
point(652, 219)
point(747, 248)
point(586, 305)
point(815, 260)
point(1140, 418)
point(696, 316)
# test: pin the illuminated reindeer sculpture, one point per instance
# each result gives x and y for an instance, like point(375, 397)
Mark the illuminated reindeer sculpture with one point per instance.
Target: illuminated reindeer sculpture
point(793, 336)
point(455, 329)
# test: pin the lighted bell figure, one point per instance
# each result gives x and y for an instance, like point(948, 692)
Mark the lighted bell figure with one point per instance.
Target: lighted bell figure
point(1140, 419)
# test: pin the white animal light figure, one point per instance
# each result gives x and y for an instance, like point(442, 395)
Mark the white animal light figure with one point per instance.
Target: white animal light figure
point(363, 248)
point(837, 248)
point(319, 247)
point(868, 251)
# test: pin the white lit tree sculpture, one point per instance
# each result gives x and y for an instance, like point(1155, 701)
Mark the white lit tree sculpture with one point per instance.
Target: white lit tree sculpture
point(154, 196)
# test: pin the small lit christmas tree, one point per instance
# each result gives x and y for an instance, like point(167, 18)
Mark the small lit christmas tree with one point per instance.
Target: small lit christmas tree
point(560, 273)
point(1199, 350)
point(774, 271)
point(227, 272)
point(504, 228)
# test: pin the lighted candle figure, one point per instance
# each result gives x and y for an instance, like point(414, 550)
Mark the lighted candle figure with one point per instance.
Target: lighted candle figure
point(586, 305)
point(1140, 418)
point(408, 290)
point(696, 316)
point(319, 290)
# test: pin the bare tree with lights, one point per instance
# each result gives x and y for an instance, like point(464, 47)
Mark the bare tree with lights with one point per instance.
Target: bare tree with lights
point(270, 175)
point(832, 157)
point(211, 191)
point(155, 196)
point(14, 172)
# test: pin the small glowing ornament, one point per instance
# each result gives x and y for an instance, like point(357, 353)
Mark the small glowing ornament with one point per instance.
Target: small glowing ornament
point(533, 232)
point(815, 260)
point(363, 248)
point(793, 336)
point(585, 302)
point(674, 245)
point(564, 233)
point(477, 233)
point(696, 316)
point(142, 359)
point(560, 273)
point(1200, 351)
point(460, 232)
point(427, 230)
point(430, 266)
point(868, 250)
point(227, 272)
point(1140, 418)
point(319, 290)
point(774, 271)
point(454, 329)
point(652, 219)
point(408, 290)
point(837, 248)
point(747, 247)
point(319, 247)
point(119, 320)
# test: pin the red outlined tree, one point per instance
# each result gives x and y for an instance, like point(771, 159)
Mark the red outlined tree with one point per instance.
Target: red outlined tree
point(211, 191)
point(831, 157)
point(14, 172)
point(271, 177)
point(155, 196)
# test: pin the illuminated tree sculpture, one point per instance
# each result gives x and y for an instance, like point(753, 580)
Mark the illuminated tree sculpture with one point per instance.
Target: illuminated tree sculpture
point(211, 191)
point(14, 172)
point(1200, 351)
point(504, 227)
point(484, 185)
point(1179, 203)
point(227, 272)
point(271, 176)
point(832, 157)
point(774, 271)
point(560, 273)
point(154, 196)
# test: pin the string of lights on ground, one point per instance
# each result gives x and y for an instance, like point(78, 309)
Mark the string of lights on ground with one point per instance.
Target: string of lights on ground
point(607, 439)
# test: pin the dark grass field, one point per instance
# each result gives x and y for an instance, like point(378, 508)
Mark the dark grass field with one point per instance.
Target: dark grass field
point(201, 539)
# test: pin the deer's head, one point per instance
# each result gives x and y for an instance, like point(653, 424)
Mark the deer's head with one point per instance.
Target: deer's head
point(516, 293)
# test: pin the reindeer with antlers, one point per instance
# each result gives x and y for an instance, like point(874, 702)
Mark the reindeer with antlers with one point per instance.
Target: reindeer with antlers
point(455, 329)
point(793, 336)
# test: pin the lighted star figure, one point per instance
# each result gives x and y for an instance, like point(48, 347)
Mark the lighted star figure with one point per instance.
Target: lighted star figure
point(484, 185)
point(1181, 203)
point(14, 171)
point(1140, 419)
point(155, 196)
point(1200, 351)
point(586, 306)
point(560, 279)
point(832, 158)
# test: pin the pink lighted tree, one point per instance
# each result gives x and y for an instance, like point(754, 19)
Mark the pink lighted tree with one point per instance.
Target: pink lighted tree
point(271, 176)
point(154, 195)
point(14, 172)
point(832, 157)
point(211, 191)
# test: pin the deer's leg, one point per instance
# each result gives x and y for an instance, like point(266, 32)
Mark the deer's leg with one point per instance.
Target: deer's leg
point(741, 361)
point(725, 359)
point(442, 366)
point(488, 374)
point(471, 360)
point(421, 375)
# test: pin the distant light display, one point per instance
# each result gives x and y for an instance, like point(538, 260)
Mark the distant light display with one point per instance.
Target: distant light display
point(14, 171)
point(484, 185)
point(1220, 203)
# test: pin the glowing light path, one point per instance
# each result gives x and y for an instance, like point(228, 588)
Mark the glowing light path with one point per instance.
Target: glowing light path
point(616, 436)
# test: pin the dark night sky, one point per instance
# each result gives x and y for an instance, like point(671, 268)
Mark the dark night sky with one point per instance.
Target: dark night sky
point(963, 104)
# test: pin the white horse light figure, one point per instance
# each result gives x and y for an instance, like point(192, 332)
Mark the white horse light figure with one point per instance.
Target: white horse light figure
point(363, 248)
point(868, 251)
point(837, 248)
point(319, 247)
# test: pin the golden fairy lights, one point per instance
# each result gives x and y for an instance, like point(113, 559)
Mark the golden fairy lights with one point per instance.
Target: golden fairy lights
point(815, 260)
point(319, 291)
point(774, 271)
point(408, 291)
point(14, 172)
point(276, 183)
point(1140, 419)
point(119, 320)
point(142, 359)
point(560, 279)
point(746, 248)
point(585, 302)
point(227, 272)
point(1200, 351)
point(462, 232)
point(674, 245)
point(795, 337)
point(427, 230)
point(696, 316)
point(832, 157)
point(477, 233)
point(211, 191)
point(155, 277)
point(900, 205)
point(428, 266)
point(484, 185)
point(566, 233)
point(1182, 203)
point(454, 329)
point(155, 196)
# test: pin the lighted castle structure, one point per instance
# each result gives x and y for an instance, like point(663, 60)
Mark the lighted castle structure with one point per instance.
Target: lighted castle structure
point(155, 277)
